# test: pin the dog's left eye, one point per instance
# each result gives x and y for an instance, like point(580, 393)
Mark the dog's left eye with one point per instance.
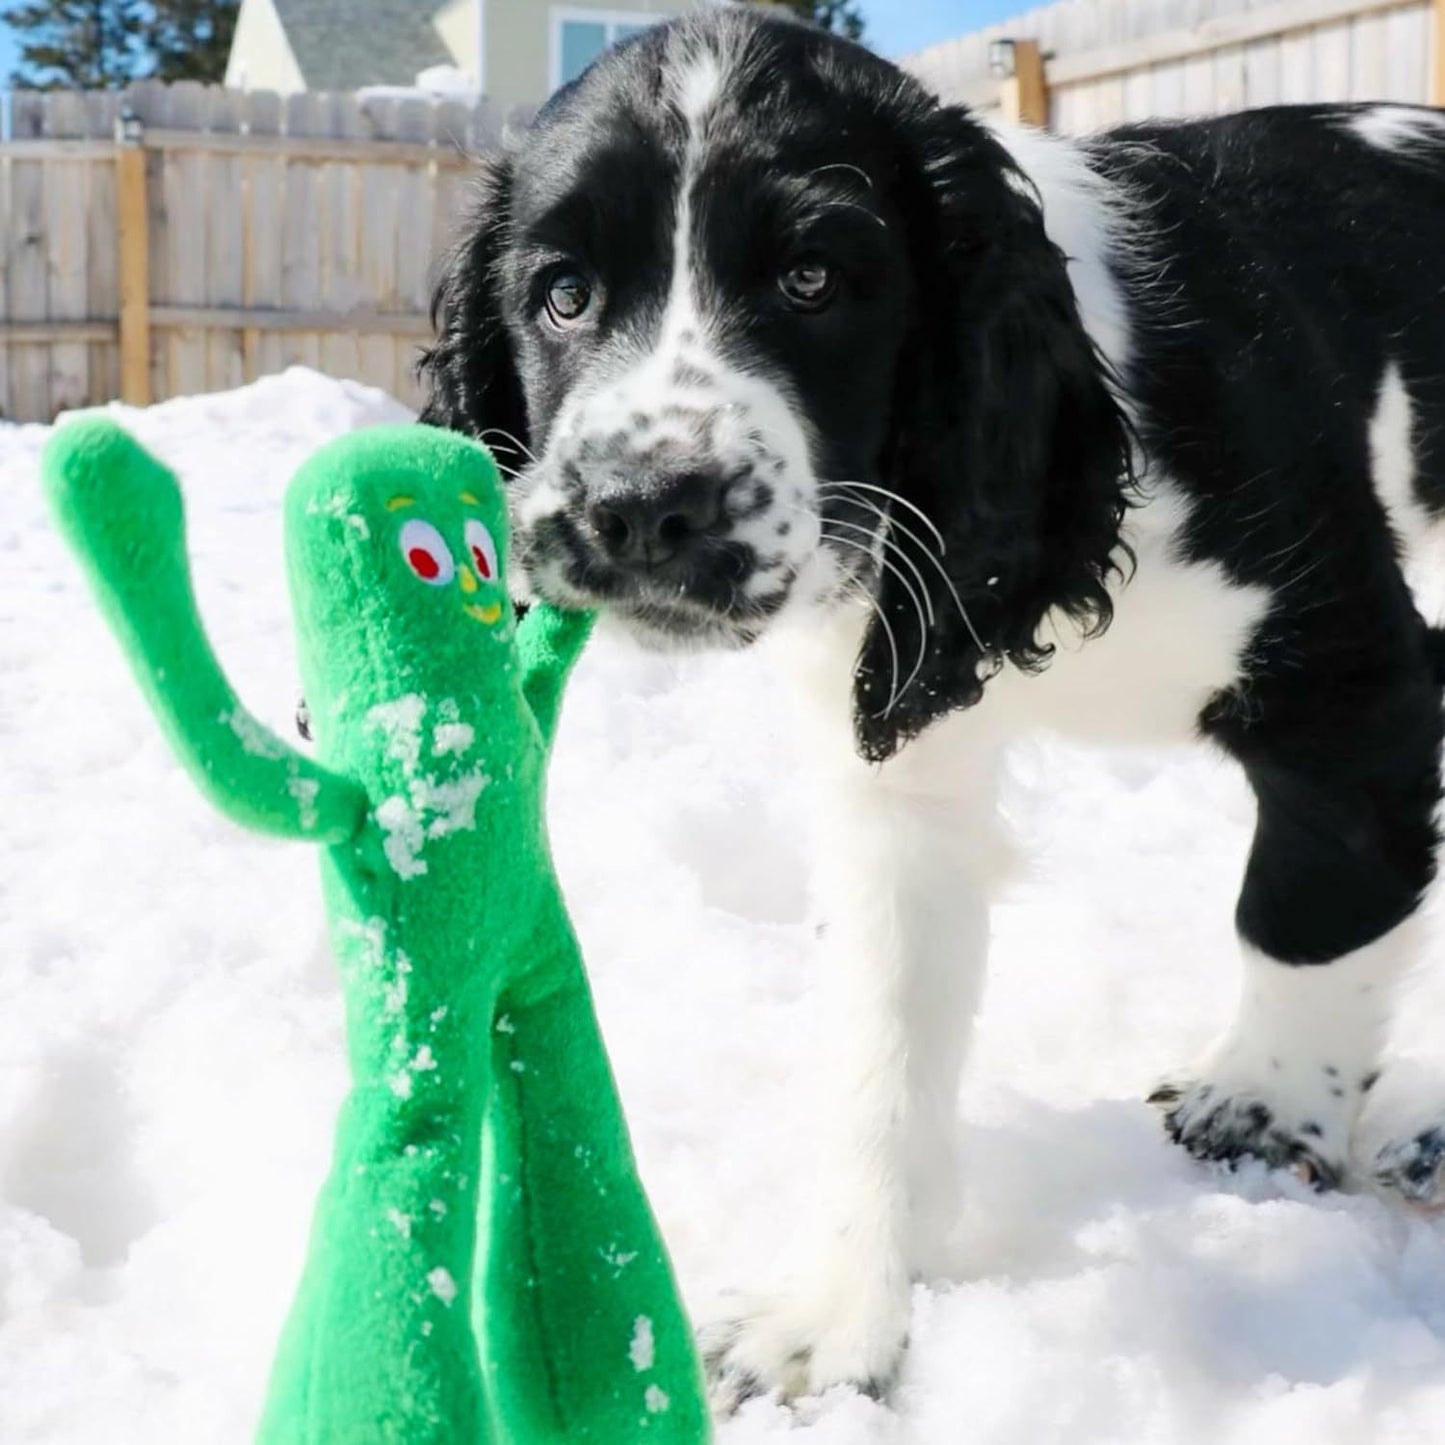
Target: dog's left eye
point(569, 294)
point(808, 284)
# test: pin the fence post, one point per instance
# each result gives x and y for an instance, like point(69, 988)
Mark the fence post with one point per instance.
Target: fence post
point(133, 250)
point(1024, 94)
point(1437, 53)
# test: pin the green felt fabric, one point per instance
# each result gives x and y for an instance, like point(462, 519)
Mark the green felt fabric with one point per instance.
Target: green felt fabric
point(483, 1266)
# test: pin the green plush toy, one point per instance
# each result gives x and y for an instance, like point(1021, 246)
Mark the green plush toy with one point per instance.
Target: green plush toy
point(482, 1105)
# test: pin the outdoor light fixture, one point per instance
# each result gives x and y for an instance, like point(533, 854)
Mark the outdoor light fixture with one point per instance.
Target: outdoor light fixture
point(129, 128)
point(1001, 59)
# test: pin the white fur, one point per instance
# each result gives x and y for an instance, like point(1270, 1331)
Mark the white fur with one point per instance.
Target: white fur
point(1392, 458)
point(1305, 1041)
point(1394, 127)
point(1393, 469)
point(1088, 221)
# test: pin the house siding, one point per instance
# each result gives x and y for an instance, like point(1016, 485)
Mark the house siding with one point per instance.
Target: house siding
point(519, 42)
point(456, 23)
point(261, 57)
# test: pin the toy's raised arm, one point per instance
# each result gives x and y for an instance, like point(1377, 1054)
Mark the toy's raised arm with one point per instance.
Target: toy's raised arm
point(120, 510)
point(550, 642)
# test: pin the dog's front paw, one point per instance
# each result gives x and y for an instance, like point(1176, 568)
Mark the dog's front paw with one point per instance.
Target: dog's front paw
point(1414, 1169)
point(1228, 1122)
point(806, 1340)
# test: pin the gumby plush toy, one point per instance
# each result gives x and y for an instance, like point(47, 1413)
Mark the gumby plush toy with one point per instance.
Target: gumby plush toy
point(483, 1265)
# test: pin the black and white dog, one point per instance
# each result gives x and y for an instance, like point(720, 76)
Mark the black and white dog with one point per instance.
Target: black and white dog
point(1128, 437)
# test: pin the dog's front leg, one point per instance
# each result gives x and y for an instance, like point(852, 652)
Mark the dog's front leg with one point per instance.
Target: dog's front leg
point(908, 855)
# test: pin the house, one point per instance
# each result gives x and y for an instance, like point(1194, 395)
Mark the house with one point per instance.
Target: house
point(516, 52)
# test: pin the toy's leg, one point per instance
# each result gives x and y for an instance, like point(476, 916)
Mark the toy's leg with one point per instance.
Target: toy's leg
point(379, 1348)
point(584, 1334)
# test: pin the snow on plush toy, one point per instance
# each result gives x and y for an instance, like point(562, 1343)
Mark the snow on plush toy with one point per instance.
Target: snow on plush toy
point(479, 1079)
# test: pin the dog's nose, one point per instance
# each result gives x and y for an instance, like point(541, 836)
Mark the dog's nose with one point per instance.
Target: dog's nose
point(648, 524)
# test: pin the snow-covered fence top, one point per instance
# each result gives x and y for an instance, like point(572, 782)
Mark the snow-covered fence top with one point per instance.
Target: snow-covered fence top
point(1107, 61)
point(173, 239)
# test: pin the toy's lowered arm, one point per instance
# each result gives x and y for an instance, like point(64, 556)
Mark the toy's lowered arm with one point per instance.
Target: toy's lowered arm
point(120, 510)
point(549, 642)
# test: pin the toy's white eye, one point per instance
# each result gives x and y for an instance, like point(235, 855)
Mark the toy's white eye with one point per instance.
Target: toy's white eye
point(483, 550)
point(426, 553)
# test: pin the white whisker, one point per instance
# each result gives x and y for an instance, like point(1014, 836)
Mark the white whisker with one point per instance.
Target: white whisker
point(895, 692)
point(890, 545)
point(844, 166)
point(902, 501)
point(934, 560)
point(515, 443)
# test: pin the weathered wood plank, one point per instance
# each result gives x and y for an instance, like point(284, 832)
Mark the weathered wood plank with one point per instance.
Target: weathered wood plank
point(360, 319)
point(1407, 55)
point(67, 194)
point(1139, 94)
point(301, 228)
point(1217, 32)
point(1229, 92)
point(307, 146)
point(418, 240)
point(381, 233)
point(1169, 89)
point(29, 114)
point(264, 189)
point(187, 190)
point(27, 275)
point(6, 406)
point(1367, 58)
point(55, 150)
point(1437, 52)
point(341, 259)
point(157, 261)
point(102, 251)
point(32, 333)
point(225, 280)
point(1262, 73)
point(1332, 62)
point(1296, 67)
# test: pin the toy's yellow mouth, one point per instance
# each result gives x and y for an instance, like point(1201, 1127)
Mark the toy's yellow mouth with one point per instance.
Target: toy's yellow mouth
point(468, 584)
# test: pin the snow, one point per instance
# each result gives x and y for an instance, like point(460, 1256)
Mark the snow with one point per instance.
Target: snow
point(435, 83)
point(171, 1059)
point(643, 1349)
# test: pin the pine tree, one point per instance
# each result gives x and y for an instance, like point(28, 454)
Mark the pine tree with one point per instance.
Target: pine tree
point(192, 38)
point(78, 44)
point(840, 16)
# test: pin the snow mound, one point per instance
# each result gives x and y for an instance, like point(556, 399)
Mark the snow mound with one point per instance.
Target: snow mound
point(170, 1041)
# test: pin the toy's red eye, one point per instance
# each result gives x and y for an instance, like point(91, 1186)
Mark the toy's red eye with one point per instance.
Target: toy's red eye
point(483, 550)
point(426, 553)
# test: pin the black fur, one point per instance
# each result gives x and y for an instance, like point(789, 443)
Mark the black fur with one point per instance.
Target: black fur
point(1030, 513)
point(472, 381)
point(1294, 261)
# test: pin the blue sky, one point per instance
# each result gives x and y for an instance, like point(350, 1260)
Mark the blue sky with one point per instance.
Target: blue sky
point(894, 26)
point(897, 26)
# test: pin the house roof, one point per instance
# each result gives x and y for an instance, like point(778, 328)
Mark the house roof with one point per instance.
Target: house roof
point(346, 44)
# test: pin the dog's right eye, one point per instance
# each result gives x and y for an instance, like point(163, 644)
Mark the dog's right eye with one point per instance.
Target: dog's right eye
point(569, 295)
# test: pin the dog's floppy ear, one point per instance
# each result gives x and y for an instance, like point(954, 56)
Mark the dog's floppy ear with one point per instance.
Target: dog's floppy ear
point(470, 376)
point(1005, 434)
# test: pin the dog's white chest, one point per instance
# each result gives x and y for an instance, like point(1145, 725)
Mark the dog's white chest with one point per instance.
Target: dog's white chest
point(1180, 633)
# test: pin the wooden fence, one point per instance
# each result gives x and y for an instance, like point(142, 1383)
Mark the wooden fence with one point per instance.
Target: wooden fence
point(226, 235)
point(1092, 63)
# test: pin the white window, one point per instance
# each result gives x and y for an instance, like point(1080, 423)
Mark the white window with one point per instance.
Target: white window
point(580, 36)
